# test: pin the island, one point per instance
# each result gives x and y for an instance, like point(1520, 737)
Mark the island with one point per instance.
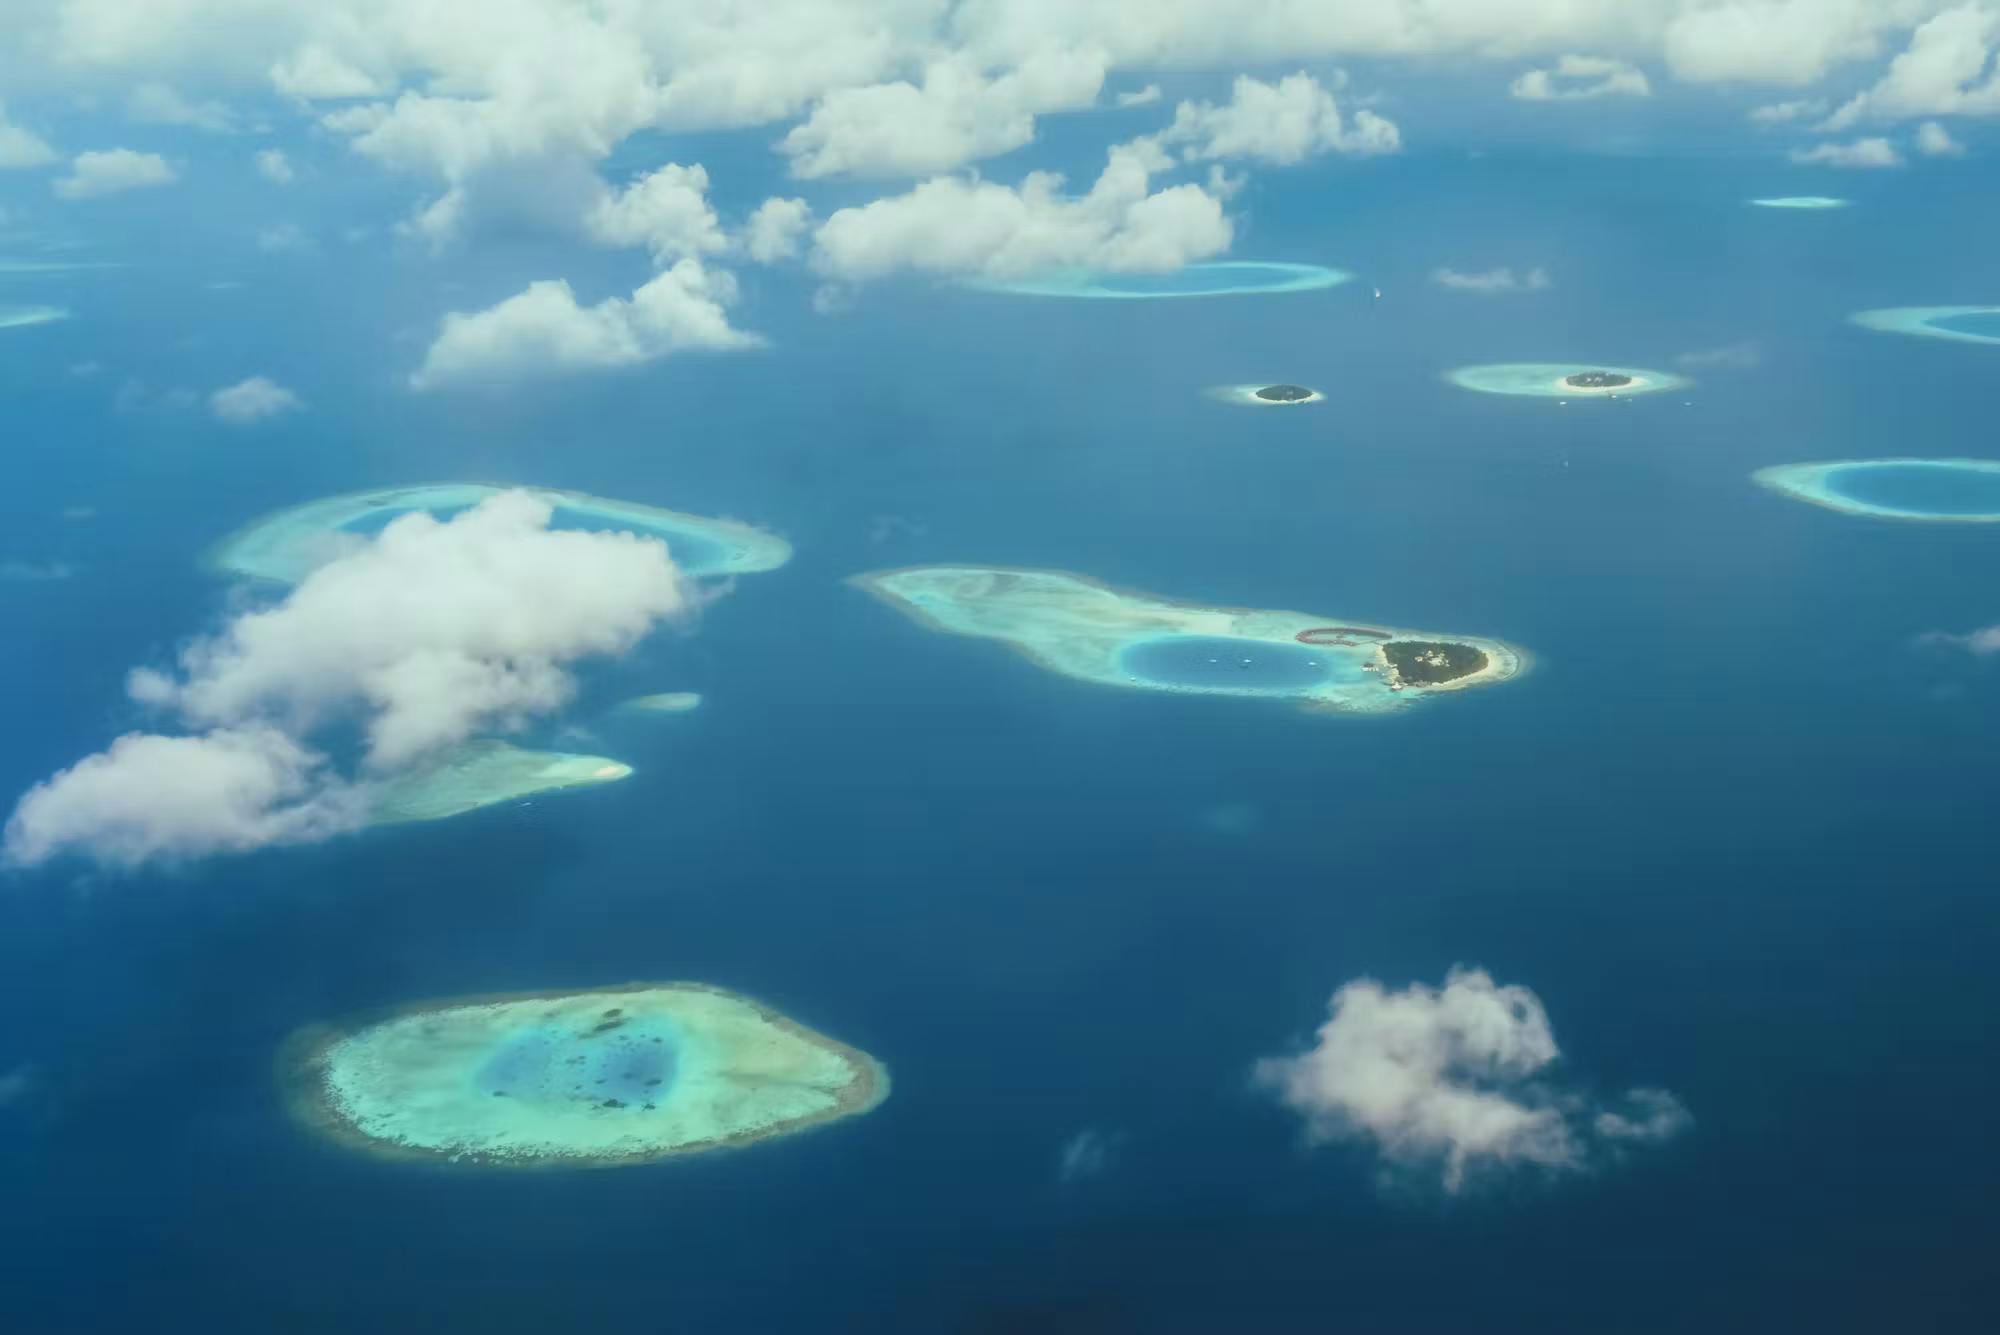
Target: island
point(21, 317)
point(572, 1079)
point(1555, 380)
point(1932, 491)
point(482, 773)
point(1095, 632)
point(664, 702)
point(286, 546)
point(1266, 396)
point(1218, 279)
point(1801, 202)
point(1965, 324)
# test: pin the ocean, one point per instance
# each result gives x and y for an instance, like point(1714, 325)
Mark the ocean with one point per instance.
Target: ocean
point(1734, 828)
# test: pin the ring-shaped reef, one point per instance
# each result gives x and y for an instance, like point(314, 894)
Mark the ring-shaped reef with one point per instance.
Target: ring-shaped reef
point(20, 317)
point(482, 773)
point(1082, 628)
point(1564, 380)
point(1932, 491)
point(1966, 324)
point(289, 544)
point(1802, 202)
point(572, 1079)
point(1220, 278)
point(1267, 396)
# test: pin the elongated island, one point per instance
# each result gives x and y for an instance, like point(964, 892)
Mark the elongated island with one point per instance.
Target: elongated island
point(483, 772)
point(572, 1079)
point(1092, 631)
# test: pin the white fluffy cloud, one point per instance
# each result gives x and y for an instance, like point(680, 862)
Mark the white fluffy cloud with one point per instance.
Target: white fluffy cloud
point(1873, 152)
point(248, 402)
point(1787, 113)
point(273, 165)
point(1453, 1080)
point(776, 229)
point(666, 210)
point(110, 171)
point(158, 104)
point(21, 148)
point(1948, 69)
point(154, 798)
point(1284, 122)
point(1580, 78)
point(543, 330)
point(1785, 42)
point(1934, 141)
point(957, 226)
point(429, 633)
point(1492, 282)
point(1981, 643)
point(958, 114)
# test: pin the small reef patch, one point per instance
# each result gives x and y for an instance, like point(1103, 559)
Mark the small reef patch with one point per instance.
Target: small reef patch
point(485, 772)
point(1266, 396)
point(21, 317)
point(1557, 380)
point(1808, 202)
point(594, 1078)
point(1965, 324)
point(1935, 491)
point(1219, 279)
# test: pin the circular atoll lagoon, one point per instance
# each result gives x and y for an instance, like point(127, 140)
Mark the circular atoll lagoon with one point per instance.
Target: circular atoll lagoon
point(1219, 279)
point(1559, 380)
point(1967, 324)
point(1935, 491)
point(607, 1076)
point(1266, 396)
point(1801, 202)
point(20, 317)
point(290, 544)
point(1093, 632)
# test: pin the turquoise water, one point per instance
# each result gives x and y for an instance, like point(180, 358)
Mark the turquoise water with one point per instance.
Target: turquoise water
point(1980, 324)
point(1929, 488)
point(632, 1063)
point(692, 551)
point(1215, 662)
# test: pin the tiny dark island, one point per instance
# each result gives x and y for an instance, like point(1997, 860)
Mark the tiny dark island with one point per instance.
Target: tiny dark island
point(1284, 393)
point(1432, 662)
point(1597, 380)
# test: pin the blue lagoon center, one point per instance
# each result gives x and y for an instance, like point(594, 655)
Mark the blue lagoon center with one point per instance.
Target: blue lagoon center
point(1221, 663)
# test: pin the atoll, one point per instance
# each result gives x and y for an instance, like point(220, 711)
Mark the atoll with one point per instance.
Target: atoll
point(1559, 381)
point(1801, 202)
point(1094, 632)
point(1266, 396)
point(1934, 491)
point(482, 773)
point(1966, 324)
point(572, 1079)
point(1217, 279)
point(285, 546)
point(20, 317)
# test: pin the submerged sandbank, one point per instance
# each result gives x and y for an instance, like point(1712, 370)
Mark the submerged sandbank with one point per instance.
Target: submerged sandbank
point(1218, 279)
point(1932, 491)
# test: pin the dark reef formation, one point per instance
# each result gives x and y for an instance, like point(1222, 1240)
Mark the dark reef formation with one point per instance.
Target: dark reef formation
point(1597, 380)
point(1432, 662)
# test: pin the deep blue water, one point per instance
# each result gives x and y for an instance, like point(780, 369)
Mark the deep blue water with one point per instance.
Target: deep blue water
point(1943, 491)
point(1733, 829)
point(1986, 324)
point(1202, 660)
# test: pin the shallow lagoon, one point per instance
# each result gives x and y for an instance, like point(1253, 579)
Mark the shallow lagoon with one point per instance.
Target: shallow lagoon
point(1224, 278)
point(1220, 663)
point(1967, 324)
point(1925, 490)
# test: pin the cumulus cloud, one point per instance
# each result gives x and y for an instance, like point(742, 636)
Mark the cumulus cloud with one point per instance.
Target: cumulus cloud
point(952, 225)
point(273, 165)
point(1795, 42)
point(1934, 141)
point(1139, 97)
point(1862, 153)
point(1786, 113)
point(1454, 1081)
point(776, 230)
point(958, 114)
point(666, 210)
point(543, 330)
point(1284, 123)
point(19, 147)
point(248, 402)
point(1580, 78)
point(111, 171)
point(432, 632)
point(1948, 69)
point(1493, 282)
point(159, 104)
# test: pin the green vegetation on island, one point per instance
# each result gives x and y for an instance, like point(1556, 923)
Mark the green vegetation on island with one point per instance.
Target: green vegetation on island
point(1432, 662)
